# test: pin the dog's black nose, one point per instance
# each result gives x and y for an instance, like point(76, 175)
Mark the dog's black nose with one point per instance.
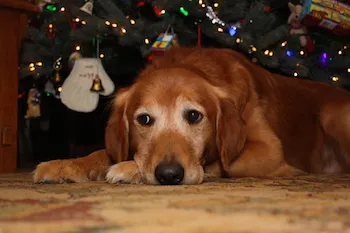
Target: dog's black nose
point(169, 173)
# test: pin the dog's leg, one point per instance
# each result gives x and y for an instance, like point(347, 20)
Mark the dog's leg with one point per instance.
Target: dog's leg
point(124, 172)
point(335, 120)
point(91, 167)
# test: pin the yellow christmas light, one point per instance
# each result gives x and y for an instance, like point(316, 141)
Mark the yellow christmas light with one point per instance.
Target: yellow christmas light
point(39, 63)
point(102, 55)
point(203, 5)
point(295, 74)
point(77, 47)
point(108, 23)
point(123, 30)
point(220, 30)
point(77, 20)
point(302, 52)
point(345, 47)
point(335, 79)
point(162, 12)
point(62, 9)
point(216, 4)
point(270, 53)
point(266, 52)
point(340, 52)
point(114, 25)
point(254, 49)
point(31, 65)
point(200, 2)
point(59, 89)
point(238, 40)
point(284, 44)
point(146, 41)
point(349, 70)
point(132, 21)
point(83, 22)
point(32, 68)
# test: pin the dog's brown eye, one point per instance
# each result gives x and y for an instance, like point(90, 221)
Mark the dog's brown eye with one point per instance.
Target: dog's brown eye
point(193, 116)
point(145, 119)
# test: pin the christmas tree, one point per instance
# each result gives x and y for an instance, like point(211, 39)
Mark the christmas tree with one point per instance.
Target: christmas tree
point(124, 32)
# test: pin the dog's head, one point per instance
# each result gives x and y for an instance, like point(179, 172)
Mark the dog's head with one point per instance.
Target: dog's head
point(171, 121)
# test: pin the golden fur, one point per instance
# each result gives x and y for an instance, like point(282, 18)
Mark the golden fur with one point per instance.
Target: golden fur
point(255, 124)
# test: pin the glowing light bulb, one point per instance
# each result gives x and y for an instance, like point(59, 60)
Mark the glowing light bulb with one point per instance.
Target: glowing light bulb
point(216, 4)
point(31, 65)
point(108, 23)
point(302, 52)
point(39, 63)
point(295, 74)
point(340, 52)
point(162, 12)
point(59, 89)
point(102, 55)
point(270, 53)
point(114, 25)
point(50, 25)
point(77, 48)
point(266, 52)
point(203, 5)
point(254, 49)
point(32, 68)
point(62, 9)
point(348, 70)
point(132, 21)
point(284, 44)
point(345, 47)
point(238, 40)
point(335, 79)
point(220, 30)
point(123, 30)
point(200, 2)
point(146, 41)
point(83, 22)
point(77, 20)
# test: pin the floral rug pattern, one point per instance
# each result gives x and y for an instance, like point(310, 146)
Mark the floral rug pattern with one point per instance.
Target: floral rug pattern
point(245, 205)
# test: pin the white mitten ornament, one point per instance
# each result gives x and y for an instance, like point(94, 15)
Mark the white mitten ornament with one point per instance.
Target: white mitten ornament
point(76, 91)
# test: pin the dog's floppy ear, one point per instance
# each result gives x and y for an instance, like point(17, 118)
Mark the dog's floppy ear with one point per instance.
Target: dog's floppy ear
point(230, 133)
point(117, 130)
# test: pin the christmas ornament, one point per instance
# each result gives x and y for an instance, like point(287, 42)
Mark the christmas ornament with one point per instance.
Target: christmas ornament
point(88, 7)
point(76, 93)
point(51, 31)
point(164, 42)
point(33, 102)
point(297, 28)
point(97, 85)
point(57, 66)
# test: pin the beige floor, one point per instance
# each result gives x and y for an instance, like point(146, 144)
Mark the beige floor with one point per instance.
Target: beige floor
point(304, 204)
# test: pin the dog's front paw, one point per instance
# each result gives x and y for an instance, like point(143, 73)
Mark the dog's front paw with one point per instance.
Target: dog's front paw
point(124, 172)
point(59, 171)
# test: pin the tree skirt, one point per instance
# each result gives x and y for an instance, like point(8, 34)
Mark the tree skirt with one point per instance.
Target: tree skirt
point(303, 204)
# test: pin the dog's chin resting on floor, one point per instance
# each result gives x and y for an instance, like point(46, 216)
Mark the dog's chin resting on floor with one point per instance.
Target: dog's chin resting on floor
point(200, 111)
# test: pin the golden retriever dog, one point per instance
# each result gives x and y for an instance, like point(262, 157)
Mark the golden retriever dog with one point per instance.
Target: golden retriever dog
point(197, 111)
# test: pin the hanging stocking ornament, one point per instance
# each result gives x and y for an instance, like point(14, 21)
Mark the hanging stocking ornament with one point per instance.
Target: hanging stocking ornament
point(81, 89)
point(87, 7)
point(33, 102)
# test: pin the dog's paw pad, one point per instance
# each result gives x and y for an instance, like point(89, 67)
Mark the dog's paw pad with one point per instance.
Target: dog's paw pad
point(123, 173)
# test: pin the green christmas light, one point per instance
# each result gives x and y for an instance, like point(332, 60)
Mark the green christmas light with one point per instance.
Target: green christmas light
point(51, 8)
point(183, 11)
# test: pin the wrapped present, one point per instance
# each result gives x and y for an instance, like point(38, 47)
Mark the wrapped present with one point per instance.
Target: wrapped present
point(329, 14)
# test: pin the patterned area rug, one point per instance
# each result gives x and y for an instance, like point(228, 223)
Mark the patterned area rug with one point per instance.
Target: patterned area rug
point(303, 204)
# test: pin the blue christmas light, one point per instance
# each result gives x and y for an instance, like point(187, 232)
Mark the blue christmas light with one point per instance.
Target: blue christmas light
point(324, 59)
point(289, 53)
point(232, 30)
